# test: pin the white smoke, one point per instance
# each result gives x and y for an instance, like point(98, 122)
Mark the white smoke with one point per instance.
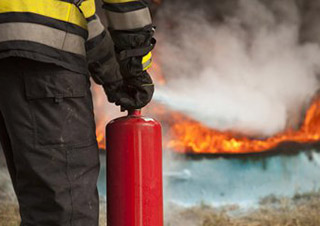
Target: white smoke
point(243, 68)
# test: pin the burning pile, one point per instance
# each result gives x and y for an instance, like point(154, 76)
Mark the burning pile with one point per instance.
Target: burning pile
point(193, 137)
point(189, 136)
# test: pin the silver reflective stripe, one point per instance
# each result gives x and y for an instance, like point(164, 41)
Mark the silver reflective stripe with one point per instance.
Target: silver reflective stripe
point(44, 35)
point(147, 64)
point(130, 20)
point(95, 28)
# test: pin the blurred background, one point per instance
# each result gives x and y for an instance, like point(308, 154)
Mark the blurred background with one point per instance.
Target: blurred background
point(238, 97)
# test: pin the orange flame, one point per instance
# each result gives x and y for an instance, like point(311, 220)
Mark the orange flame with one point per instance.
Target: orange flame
point(189, 136)
point(101, 138)
point(102, 117)
point(193, 137)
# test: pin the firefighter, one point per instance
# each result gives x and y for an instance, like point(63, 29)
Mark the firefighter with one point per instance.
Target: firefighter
point(48, 50)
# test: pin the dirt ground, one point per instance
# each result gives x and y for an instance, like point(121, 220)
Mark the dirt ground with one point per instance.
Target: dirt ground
point(301, 210)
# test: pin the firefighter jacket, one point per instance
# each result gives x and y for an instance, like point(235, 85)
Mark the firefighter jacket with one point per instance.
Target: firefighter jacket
point(63, 32)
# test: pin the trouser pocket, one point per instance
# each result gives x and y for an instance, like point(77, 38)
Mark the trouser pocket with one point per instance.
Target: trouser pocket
point(61, 106)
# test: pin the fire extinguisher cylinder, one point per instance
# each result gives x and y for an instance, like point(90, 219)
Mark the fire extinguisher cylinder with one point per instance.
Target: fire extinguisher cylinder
point(134, 171)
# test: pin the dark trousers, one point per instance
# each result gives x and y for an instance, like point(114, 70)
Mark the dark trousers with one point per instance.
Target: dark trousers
point(47, 132)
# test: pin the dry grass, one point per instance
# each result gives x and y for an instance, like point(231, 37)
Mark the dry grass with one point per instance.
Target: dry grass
point(301, 210)
point(103, 214)
point(9, 214)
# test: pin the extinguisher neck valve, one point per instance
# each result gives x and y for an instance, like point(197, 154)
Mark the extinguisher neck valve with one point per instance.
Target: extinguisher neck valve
point(136, 112)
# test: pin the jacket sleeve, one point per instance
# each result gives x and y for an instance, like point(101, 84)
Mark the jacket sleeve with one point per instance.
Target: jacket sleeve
point(131, 29)
point(102, 63)
point(127, 14)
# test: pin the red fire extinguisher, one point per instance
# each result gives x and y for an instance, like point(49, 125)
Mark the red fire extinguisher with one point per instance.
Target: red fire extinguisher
point(134, 171)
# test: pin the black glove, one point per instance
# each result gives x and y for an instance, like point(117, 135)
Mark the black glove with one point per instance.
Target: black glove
point(134, 93)
point(132, 49)
point(113, 90)
point(138, 92)
point(130, 86)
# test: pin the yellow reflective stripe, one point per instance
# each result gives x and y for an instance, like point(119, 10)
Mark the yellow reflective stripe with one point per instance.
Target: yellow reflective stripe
point(119, 1)
point(88, 8)
point(58, 10)
point(147, 61)
point(147, 66)
point(146, 57)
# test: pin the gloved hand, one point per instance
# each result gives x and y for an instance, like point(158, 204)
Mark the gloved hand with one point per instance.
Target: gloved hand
point(138, 92)
point(129, 86)
point(133, 93)
point(134, 57)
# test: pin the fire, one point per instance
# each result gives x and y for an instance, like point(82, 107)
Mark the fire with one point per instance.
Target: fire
point(193, 137)
point(101, 138)
point(102, 116)
point(189, 136)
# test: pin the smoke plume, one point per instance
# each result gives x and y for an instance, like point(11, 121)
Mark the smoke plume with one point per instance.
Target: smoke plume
point(240, 65)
